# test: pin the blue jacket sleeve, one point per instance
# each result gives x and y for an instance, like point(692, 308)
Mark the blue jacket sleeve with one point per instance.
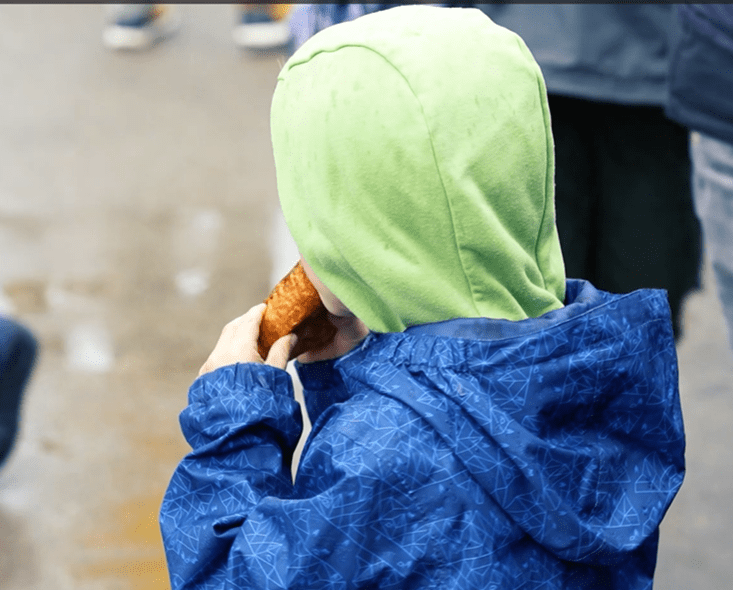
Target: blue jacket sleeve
point(231, 517)
point(242, 424)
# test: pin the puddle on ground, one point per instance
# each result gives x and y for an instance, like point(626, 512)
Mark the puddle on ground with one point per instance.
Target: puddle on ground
point(127, 547)
point(89, 348)
point(141, 574)
point(123, 332)
point(26, 296)
point(195, 235)
point(17, 554)
point(6, 305)
point(192, 282)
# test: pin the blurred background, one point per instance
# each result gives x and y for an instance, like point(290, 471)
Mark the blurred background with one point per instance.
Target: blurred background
point(138, 215)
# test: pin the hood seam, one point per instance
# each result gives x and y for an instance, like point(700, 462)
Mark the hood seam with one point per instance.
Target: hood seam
point(460, 370)
point(549, 155)
point(432, 149)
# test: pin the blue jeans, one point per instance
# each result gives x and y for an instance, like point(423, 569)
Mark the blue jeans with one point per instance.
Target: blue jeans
point(17, 355)
point(712, 178)
point(309, 19)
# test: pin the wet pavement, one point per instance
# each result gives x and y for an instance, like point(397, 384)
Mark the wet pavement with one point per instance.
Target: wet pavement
point(138, 214)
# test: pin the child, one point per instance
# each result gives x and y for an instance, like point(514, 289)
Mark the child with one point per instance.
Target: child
point(479, 423)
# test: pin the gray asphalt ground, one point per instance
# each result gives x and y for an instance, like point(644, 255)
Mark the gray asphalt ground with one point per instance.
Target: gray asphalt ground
point(138, 214)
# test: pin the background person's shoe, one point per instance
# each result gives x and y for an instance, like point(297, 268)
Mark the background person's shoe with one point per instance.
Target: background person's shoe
point(262, 26)
point(140, 26)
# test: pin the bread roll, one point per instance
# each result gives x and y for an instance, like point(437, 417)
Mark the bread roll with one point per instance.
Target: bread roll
point(295, 306)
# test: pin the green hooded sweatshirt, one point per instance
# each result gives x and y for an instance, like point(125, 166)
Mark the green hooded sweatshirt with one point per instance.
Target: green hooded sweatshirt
point(415, 168)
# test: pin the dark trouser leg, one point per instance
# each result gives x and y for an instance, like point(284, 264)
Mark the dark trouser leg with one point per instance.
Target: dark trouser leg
point(649, 234)
point(623, 200)
point(575, 198)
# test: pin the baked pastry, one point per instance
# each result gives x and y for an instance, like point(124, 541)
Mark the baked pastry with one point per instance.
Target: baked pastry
point(295, 306)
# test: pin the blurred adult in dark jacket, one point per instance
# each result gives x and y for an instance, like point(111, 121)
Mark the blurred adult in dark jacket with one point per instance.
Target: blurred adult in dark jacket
point(701, 85)
point(624, 208)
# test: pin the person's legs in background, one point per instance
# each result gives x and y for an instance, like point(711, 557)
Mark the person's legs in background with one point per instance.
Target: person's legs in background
point(575, 194)
point(139, 26)
point(649, 234)
point(262, 26)
point(623, 199)
point(712, 177)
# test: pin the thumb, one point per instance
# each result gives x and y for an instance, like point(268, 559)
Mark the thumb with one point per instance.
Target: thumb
point(279, 354)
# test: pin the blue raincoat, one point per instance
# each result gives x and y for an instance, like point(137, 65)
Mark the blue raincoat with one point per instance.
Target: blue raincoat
point(468, 454)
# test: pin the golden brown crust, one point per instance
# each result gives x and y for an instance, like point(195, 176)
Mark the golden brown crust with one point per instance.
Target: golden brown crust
point(295, 306)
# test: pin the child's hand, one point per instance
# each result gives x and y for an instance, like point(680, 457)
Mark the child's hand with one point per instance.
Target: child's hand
point(351, 331)
point(238, 344)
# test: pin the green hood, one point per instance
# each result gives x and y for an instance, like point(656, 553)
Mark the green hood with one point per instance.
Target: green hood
point(415, 168)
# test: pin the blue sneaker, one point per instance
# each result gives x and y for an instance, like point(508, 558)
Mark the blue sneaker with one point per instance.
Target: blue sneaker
point(140, 26)
point(18, 349)
point(262, 26)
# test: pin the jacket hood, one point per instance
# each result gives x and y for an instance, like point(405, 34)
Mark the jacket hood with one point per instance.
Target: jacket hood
point(570, 422)
point(415, 168)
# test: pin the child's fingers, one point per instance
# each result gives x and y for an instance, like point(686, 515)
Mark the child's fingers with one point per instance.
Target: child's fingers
point(238, 341)
point(280, 351)
point(253, 319)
